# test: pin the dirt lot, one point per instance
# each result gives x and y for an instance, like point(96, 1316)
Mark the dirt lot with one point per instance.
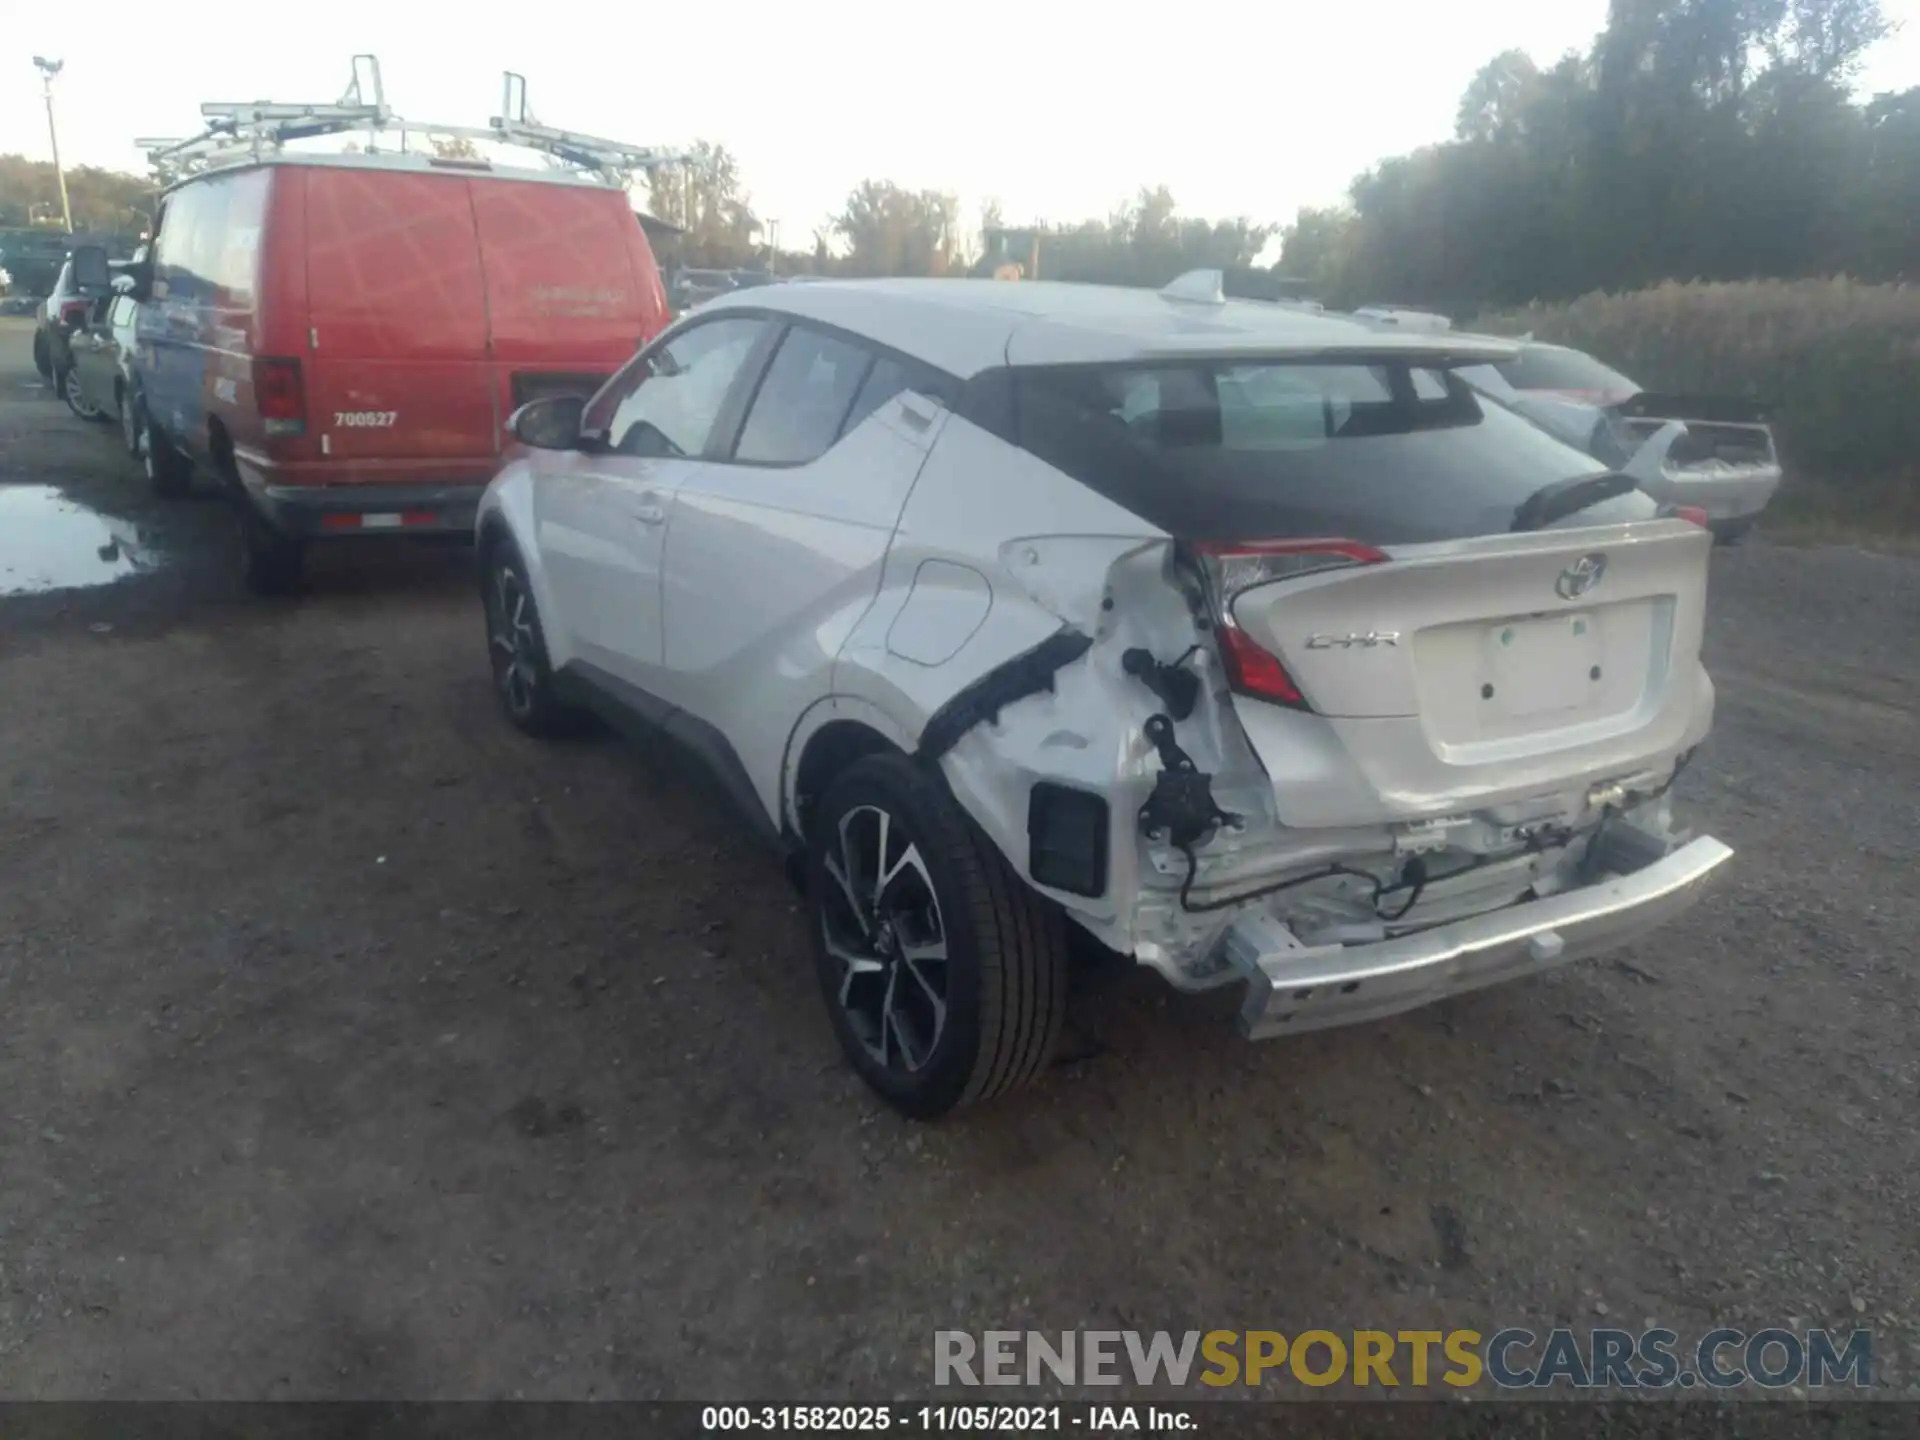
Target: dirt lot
point(354, 1046)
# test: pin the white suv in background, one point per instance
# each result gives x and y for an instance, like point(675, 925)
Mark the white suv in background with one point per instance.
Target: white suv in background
point(1245, 640)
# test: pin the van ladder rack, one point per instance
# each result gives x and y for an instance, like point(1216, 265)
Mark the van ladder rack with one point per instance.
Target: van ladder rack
point(239, 132)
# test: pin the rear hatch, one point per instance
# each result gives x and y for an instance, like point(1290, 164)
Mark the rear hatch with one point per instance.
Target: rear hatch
point(571, 286)
point(1423, 603)
point(441, 300)
point(398, 312)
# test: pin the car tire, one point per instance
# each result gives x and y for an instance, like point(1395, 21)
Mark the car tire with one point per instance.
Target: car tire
point(944, 975)
point(42, 357)
point(169, 472)
point(517, 649)
point(68, 382)
point(1731, 532)
point(133, 421)
point(271, 561)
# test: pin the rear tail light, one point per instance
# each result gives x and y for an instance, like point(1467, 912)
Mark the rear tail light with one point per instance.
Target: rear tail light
point(1692, 514)
point(75, 312)
point(279, 396)
point(1233, 569)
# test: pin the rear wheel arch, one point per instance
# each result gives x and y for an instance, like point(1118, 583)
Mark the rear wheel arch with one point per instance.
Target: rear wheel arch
point(832, 736)
point(220, 450)
point(494, 532)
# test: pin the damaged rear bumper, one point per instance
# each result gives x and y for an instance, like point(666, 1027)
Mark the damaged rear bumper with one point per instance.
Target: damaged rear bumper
point(1293, 988)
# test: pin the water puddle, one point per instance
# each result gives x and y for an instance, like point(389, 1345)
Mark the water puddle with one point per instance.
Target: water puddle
point(48, 542)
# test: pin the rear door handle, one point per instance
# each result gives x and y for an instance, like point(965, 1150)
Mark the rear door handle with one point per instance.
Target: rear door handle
point(650, 512)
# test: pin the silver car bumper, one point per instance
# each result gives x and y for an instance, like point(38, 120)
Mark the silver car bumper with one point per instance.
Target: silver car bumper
point(1726, 493)
point(1292, 988)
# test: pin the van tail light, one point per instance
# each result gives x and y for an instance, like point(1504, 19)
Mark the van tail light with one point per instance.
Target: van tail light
point(279, 396)
point(1233, 568)
point(73, 313)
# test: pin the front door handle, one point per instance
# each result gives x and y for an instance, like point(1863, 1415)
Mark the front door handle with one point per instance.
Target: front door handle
point(650, 512)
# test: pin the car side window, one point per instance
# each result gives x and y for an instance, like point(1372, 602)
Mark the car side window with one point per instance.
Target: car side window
point(886, 380)
point(803, 398)
point(666, 402)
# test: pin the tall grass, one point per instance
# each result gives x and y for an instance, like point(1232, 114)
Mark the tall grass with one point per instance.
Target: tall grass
point(1838, 362)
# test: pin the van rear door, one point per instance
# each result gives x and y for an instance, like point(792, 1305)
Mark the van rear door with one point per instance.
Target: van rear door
point(398, 309)
point(572, 290)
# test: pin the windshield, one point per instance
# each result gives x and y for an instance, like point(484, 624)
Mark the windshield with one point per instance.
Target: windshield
point(1546, 367)
point(1381, 451)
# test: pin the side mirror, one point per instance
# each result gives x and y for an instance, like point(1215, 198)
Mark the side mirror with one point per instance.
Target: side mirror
point(90, 270)
point(551, 423)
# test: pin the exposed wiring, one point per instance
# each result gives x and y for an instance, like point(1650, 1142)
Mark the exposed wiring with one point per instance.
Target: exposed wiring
point(1401, 913)
point(1193, 866)
point(1537, 841)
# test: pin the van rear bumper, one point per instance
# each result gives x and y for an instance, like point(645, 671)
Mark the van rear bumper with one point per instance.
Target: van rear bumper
point(326, 511)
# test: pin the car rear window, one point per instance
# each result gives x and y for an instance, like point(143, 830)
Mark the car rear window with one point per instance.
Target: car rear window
point(1379, 451)
point(1543, 367)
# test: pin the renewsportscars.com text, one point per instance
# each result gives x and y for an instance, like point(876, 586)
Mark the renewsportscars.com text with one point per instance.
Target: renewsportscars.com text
point(1512, 1359)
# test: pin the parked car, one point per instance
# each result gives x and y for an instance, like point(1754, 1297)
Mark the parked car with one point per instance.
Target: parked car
point(1247, 641)
point(100, 383)
point(691, 287)
point(32, 256)
point(337, 338)
point(1712, 453)
point(64, 310)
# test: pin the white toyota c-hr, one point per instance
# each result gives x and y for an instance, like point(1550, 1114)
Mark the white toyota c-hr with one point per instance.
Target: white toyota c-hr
point(1244, 639)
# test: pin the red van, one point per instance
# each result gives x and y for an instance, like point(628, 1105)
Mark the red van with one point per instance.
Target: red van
point(339, 339)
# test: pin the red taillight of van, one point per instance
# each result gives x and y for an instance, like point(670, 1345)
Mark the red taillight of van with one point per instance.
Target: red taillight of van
point(279, 396)
point(1233, 568)
point(73, 313)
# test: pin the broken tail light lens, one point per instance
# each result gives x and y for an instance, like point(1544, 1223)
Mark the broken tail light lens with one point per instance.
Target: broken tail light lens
point(1693, 514)
point(1231, 569)
point(279, 396)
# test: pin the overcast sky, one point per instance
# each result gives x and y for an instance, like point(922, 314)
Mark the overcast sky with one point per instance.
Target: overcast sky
point(1058, 109)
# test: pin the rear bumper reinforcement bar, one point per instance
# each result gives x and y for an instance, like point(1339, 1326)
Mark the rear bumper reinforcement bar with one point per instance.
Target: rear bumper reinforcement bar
point(1292, 988)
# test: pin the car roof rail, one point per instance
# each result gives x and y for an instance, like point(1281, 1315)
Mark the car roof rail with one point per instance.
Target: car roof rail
point(252, 130)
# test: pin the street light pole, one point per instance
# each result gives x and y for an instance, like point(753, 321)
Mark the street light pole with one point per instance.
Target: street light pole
point(48, 69)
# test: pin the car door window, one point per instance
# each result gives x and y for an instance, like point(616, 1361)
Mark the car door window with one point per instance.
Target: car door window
point(805, 395)
point(666, 402)
point(886, 380)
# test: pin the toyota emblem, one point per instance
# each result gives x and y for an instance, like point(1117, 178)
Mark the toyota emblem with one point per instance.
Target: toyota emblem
point(1580, 577)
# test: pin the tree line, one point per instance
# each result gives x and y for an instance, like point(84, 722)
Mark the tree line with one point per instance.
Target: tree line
point(102, 200)
point(1695, 139)
point(883, 228)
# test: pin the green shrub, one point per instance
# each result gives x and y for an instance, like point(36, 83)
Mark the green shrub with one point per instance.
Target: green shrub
point(1838, 363)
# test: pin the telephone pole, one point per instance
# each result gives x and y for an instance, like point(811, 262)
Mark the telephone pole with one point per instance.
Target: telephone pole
point(48, 69)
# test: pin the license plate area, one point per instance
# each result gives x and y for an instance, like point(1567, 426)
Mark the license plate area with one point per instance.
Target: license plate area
point(1540, 666)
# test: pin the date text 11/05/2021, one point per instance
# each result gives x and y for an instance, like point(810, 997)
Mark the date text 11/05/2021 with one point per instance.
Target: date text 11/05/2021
point(958, 1419)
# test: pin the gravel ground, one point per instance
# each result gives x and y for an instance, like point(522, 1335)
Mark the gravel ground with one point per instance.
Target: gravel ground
point(354, 1046)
